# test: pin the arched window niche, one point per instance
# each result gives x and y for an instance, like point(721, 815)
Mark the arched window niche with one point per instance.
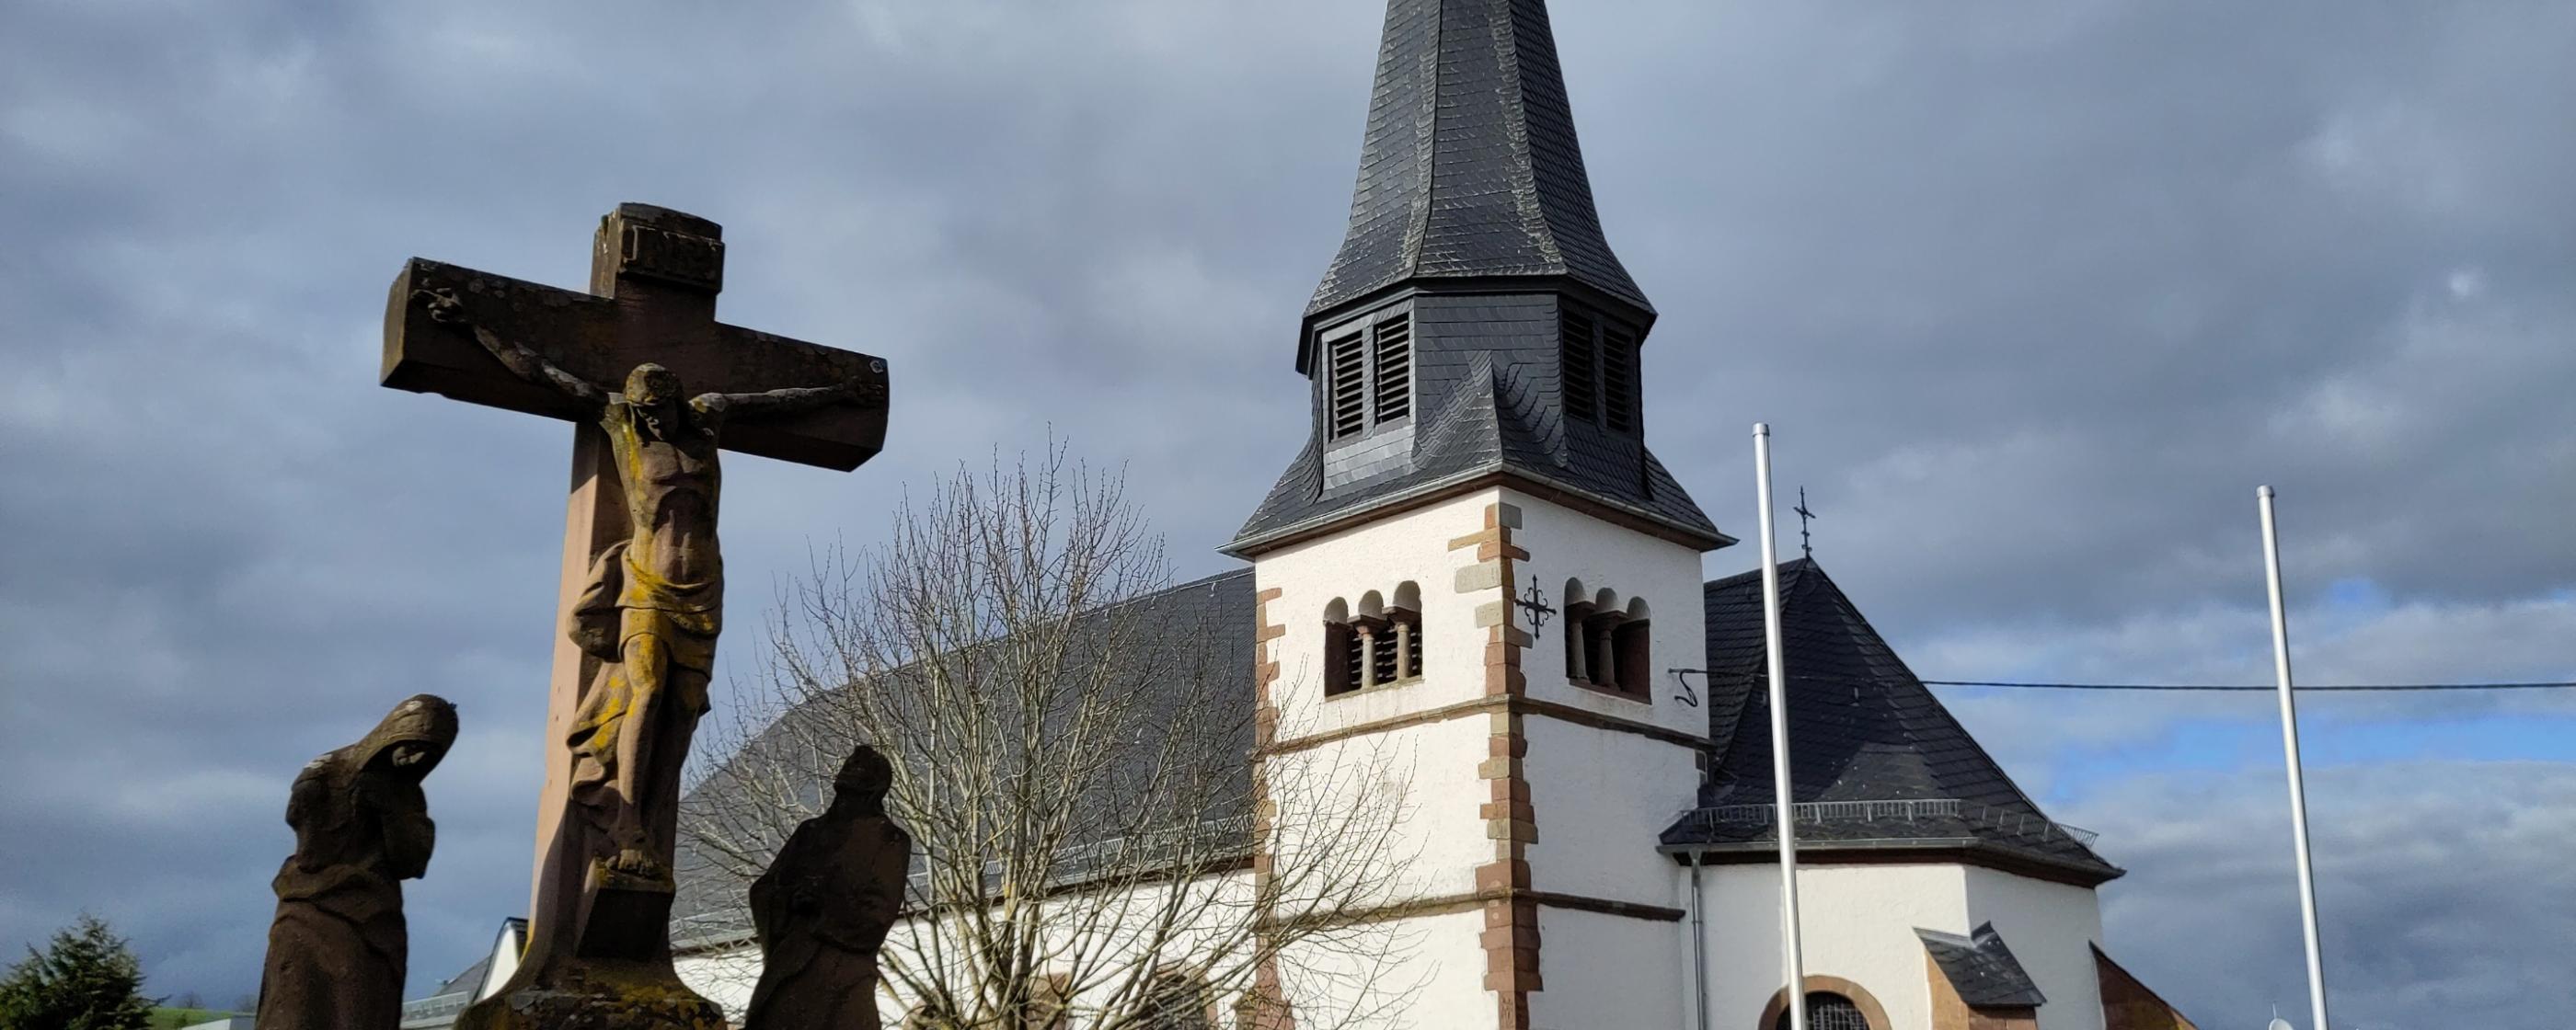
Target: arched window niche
point(1833, 1003)
point(1341, 650)
point(1373, 643)
point(1608, 645)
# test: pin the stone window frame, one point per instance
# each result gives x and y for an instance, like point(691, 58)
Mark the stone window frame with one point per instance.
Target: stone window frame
point(1361, 640)
point(1597, 625)
point(1819, 983)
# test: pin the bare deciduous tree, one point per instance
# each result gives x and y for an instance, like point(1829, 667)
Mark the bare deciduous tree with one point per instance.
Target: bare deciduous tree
point(1076, 757)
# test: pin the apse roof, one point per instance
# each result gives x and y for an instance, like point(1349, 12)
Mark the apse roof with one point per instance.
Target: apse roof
point(1877, 761)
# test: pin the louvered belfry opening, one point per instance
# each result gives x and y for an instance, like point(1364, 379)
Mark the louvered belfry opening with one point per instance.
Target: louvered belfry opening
point(1597, 366)
point(1394, 367)
point(1368, 374)
point(1618, 377)
point(1346, 393)
point(1576, 343)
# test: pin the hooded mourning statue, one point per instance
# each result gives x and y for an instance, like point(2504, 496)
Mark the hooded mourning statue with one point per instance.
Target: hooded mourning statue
point(337, 949)
point(823, 908)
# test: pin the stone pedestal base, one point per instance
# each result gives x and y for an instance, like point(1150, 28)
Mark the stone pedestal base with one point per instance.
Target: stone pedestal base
point(606, 999)
point(619, 976)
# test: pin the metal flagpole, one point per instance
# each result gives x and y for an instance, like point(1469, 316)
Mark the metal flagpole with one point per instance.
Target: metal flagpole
point(2290, 749)
point(1792, 955)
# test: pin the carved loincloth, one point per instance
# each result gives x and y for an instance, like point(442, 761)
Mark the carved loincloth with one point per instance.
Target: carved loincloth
point(625, 601)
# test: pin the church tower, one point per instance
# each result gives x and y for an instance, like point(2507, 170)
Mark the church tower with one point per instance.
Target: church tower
point(1476, 575)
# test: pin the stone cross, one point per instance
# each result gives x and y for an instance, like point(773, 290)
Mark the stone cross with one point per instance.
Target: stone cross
point(641, 578)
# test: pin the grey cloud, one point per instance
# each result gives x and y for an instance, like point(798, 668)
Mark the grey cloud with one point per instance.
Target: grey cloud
point(2034, 298)
point(2421, 869)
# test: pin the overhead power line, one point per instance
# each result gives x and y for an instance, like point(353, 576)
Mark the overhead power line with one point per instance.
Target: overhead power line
point(2338, 687)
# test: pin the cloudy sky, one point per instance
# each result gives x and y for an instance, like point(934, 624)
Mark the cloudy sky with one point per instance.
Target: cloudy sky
point(2035, 294)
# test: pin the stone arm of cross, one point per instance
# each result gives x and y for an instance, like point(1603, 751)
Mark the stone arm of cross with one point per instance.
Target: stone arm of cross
point(777, 403)
point(522, 361)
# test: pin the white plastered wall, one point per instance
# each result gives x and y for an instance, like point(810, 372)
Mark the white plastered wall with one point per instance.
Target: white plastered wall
point(1601, 796)
point(1442, 837)
point(1606, 971)
point(1338, 981)
point(1858, 923)
point(1409, 547)
point(1443, 834)
point(2051, 928)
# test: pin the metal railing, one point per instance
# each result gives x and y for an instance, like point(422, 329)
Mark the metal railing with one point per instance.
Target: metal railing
point(1818, 813)
point(436, 1010)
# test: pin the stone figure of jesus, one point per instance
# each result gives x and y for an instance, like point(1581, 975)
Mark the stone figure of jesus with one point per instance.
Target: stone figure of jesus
point(655, 600)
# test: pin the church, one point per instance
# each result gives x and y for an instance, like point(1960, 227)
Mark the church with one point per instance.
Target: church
point(1477, 557)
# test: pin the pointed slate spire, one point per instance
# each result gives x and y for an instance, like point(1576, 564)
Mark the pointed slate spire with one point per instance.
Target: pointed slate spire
point(1475, 327)
point(1471, 169)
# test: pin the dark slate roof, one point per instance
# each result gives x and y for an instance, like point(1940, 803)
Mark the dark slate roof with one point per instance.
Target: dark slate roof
point(1485, 374)
point(1982, 969)
point(471, 979)
point(1865, 730)
point(1471, 168)
point(710, 906)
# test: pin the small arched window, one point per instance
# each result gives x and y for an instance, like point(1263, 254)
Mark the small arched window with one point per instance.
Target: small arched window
point(1608, 646)
point(1828, 1011)
point(1577, 605)
point(1341, 650)
point(1631, 640)
point(1373, 644)
point(1178, 1001)
point(1402, 654)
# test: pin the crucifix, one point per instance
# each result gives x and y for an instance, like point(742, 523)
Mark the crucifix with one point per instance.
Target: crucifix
point(655, 387)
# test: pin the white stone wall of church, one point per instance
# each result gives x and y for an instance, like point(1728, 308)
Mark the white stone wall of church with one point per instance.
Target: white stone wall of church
point(1603, 971)
point(2051, 928)
point(1379, 556)
point(1858, 922)
point(1566, 544)
point(1600, 798)
point(1420, 780)
point(1433, 981)
point(724, 976)
point(727, 976)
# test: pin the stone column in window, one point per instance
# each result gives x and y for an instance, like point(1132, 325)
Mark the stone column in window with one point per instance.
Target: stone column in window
point(1575, 644)
point(1404, 649)
point(1605, 672)
point(1368, 655)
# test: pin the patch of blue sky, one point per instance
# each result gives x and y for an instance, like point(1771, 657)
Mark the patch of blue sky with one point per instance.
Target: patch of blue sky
point(2326, 740)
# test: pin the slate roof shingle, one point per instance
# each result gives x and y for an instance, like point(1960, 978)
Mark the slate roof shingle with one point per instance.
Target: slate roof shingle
point(1217, 612)
point(1982, 969)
